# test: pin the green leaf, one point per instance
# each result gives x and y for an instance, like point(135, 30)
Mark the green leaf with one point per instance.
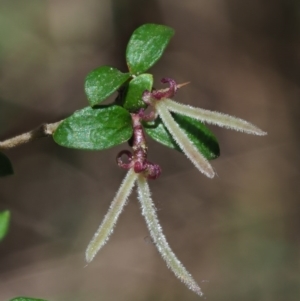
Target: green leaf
point(102, 82)
point(4, 223)
point(146, 46)
point(5, 166)
point(198, 133)
point(95, 128)
point(133, 95)
point(26, 299)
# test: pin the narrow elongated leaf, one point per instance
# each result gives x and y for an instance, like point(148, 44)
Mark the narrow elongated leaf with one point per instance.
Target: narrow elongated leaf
point(4, 223)
point(5, 166)
point(211, 117)
point(26, 299)
point(149, 212)
point(184, 142)
point(95, 128)
point(102, 82)
point(197, 132)
point(107, 226)
point(146, 46)
point(133, 95)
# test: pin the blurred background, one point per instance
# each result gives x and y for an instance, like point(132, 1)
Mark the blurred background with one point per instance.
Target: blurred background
point(237, 234)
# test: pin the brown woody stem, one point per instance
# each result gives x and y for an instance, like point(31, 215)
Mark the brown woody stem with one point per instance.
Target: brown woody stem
point(44, 130)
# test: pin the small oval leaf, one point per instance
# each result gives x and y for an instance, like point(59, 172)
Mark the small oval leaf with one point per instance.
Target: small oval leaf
point(26, 299)
point(133, 95)
point(5, 166)
point(4, 223)
point(95, 128)
point(146, 46)
point(198, 133)
point(102, 82)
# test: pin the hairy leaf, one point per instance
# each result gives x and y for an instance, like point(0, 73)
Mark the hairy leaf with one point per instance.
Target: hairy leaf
point(4, 223)
point(197, 132)
point(134, 91)
point(5, 166)
point(95, 128)
point(102, 82)
point(146, 46)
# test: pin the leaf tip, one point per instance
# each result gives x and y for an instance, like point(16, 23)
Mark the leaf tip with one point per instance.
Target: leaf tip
point(261, 132)
point(210, 173)
point(89, 255)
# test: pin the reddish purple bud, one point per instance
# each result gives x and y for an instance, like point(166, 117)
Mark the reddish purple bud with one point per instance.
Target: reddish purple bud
point(120, 161)
point(146, 97)
point(173, 86)
point(152, 171)
point(165, 93)
point(139, 167)
point(138, 159)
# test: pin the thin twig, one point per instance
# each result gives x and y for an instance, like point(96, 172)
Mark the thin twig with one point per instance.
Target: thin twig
point(44, 130)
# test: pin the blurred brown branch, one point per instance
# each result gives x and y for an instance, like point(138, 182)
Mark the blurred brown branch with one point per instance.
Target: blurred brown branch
point(44, 130)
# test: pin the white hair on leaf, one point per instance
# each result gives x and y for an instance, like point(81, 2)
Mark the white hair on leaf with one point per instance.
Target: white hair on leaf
point(183, 141)
point(107, 226)
point(211, 117)
point(149, 212)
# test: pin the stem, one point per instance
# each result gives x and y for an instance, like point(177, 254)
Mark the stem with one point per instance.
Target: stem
point(138, 160)
point(139, 147)
point(149, 212)
point(44, 130)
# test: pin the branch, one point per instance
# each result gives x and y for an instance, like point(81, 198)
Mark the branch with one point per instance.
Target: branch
point(44, 130)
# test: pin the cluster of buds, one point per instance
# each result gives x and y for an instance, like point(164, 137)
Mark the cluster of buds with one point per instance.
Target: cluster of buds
point(138, 158)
